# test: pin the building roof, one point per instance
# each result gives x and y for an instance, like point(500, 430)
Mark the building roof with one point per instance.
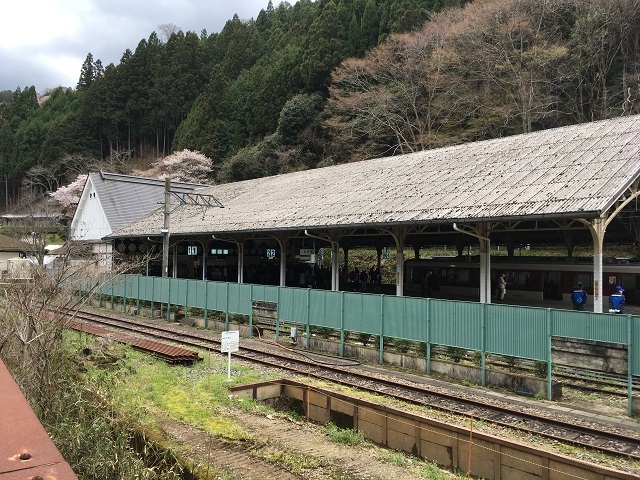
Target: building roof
point(575, 171)
point(125, 198)
point(10, 244)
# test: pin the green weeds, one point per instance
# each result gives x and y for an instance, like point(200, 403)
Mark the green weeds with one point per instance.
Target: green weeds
point(345, 436)
point(297, 464)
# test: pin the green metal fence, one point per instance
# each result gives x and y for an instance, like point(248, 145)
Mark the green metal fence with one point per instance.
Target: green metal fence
point(523, 332)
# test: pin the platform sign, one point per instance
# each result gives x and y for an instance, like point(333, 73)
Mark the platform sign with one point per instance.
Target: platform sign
point(230, 343)
point(307, 255)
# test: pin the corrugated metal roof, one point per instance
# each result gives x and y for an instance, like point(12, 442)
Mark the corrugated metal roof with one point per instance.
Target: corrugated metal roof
point(10, 244)
point(125, 198)
point(578, 170)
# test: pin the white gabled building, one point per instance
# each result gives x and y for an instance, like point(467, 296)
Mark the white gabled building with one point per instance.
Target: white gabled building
point(110, 201)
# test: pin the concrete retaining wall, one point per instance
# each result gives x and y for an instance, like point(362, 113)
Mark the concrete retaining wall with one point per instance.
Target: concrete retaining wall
point(597, 356)
point(451, 447)
point(470, 373)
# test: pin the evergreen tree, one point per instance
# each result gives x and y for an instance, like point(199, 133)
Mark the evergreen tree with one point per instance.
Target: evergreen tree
point(87, 73)
point(203, 130)
point(370, 25)
point(324, 49)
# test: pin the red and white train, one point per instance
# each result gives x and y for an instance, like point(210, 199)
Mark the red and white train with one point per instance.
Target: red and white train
point(528, 278)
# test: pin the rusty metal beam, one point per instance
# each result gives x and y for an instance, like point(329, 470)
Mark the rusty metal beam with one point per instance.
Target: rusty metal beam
point(26, 451)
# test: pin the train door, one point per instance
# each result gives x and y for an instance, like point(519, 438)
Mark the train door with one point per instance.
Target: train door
point(552, 286)
point(631, 284)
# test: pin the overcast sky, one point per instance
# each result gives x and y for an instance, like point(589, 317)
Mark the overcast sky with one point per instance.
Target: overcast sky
point(45, 42)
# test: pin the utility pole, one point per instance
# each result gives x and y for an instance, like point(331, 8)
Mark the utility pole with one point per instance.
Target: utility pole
point(194, 199)
point(165, 229)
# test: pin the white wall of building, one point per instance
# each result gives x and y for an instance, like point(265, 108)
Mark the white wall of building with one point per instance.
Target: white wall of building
point(90, 221)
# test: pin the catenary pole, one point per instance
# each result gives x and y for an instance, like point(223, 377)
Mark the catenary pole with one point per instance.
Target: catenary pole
point(165, 228)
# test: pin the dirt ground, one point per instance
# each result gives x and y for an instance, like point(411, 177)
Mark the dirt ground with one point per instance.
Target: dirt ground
point(276, 435)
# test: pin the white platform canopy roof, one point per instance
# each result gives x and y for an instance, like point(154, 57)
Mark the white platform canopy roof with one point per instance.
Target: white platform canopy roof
point(575, 171)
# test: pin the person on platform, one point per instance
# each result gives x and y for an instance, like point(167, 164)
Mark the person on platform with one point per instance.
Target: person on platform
point(579, 298)
point(616, 301)
point(502, 286)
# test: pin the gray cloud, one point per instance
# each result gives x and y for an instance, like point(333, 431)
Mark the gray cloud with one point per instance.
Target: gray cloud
point(106, 28)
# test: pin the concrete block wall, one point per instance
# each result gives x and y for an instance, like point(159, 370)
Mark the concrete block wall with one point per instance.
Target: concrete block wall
point(452, 447)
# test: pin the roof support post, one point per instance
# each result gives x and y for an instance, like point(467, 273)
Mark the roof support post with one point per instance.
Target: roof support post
point(335, 267)
point(333, 239)
point(482, 232)
point(204, 261)
point(240, 246)
point(485, 264)
point(174, 262)
point(570, 242)
point(282, 243)
point(597, 228)
point(282, 239)
point(399, 234)
point(240, 261)
point(346, 258)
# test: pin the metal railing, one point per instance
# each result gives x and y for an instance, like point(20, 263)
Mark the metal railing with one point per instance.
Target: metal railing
point(516, 331)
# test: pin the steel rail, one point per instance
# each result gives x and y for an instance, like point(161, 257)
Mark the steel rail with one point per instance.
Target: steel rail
point(591, 438)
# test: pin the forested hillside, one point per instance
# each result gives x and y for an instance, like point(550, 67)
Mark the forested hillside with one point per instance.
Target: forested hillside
point(332, 81)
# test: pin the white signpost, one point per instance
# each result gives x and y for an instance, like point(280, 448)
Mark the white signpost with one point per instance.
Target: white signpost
point(230, 343)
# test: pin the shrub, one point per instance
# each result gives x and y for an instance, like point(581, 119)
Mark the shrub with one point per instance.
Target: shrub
point(512, 363)
point(455, 353)
point(345, 436)
point(540, 369)
point(324, 332)
point(402, 346)
point(477, 358)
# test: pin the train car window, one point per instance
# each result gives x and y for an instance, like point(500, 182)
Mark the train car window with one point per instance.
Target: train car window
point(452, 276)
point(585, 279)
point(464, 276)
point(629, 281)
point(456, 276)
point(518, 278)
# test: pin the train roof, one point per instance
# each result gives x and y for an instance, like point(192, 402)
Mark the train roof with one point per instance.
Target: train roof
point(526, 259)
point(579, 171)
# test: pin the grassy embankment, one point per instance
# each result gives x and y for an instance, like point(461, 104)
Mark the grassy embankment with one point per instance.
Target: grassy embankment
point(129, 399)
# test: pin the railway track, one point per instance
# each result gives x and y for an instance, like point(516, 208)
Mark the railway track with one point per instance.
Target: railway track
point(585, 380)
point(596, 436)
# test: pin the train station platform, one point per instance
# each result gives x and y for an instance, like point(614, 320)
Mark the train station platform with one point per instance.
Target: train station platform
point(632, 309)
